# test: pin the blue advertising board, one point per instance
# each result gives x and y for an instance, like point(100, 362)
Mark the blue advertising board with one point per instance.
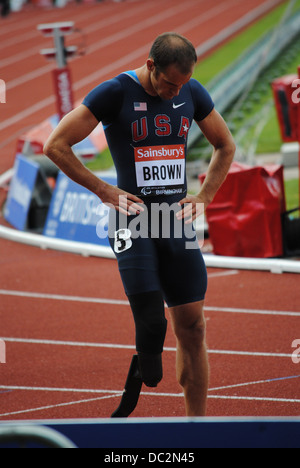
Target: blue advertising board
point(76, 214)
point(20, 193)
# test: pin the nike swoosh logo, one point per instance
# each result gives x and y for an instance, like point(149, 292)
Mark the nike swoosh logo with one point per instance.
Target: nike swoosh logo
point(179, 105)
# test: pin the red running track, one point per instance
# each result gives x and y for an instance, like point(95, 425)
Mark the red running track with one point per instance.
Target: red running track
point(65, 320)
point(68, 348)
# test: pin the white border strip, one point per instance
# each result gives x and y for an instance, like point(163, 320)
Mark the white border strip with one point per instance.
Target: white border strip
point(6, 177)
point(212, 261)
point(44, 242)
point(261, 264)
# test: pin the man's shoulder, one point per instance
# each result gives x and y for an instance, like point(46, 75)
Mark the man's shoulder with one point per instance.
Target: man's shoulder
point(106, 88)
point(196, 86)
point(105, 100)
point(202, 100)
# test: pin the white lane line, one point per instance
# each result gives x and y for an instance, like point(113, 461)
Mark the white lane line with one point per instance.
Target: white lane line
point(59, 405)
point(96, 300)
point(58, 297)
point(252, 311)
point(244, 398)
point(223, 273)
point(59, 389)
point(248, 353)
point(168, 395)
point(132, 347)
point(258, 382)
point(119, 392)
point(72, 343)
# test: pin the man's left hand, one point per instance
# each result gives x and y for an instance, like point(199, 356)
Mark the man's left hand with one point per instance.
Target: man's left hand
point(193, 206)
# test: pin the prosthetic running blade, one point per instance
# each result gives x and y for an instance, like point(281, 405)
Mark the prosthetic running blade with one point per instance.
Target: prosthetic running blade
point(132, 391)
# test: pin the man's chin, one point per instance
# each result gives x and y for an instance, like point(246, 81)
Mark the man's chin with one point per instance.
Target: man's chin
point(166, 98)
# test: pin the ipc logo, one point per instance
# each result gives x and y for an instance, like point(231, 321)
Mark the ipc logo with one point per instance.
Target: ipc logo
point(2, 92)
point(2, 352)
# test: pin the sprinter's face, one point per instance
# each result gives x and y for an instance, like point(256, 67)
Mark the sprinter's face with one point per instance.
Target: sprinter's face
point(169, 83)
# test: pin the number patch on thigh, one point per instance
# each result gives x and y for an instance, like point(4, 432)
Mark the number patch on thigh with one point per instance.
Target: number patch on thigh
point(123, 240)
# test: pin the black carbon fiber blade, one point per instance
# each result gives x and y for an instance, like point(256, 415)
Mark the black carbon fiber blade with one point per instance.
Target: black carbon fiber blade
point(131, 393)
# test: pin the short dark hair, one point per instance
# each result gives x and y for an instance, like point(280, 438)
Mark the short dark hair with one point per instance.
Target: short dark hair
point(173, 49)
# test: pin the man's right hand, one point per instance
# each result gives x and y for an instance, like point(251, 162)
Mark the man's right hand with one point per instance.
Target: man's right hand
point(122, 201)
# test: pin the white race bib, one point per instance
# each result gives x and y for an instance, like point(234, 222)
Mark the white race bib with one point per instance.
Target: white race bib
point(160, 169)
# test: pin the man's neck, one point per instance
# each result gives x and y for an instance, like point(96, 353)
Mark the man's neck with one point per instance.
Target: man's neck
point(144, 77)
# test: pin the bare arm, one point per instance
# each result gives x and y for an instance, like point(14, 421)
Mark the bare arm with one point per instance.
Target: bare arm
point(73, 128)
point(217, 133)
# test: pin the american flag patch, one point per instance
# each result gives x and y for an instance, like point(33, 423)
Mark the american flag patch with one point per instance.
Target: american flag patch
point(140, 107)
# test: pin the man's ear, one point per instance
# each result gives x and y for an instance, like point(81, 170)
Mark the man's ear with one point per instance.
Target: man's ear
point(150, 64)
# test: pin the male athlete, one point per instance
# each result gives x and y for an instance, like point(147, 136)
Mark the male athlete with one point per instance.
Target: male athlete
point(147, 114)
